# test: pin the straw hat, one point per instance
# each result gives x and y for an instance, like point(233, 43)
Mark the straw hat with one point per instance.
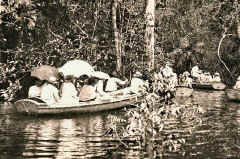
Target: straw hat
point(137, 74)
point(186, 73)
point(216, 74)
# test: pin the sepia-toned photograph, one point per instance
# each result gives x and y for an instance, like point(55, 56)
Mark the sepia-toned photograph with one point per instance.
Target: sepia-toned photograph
point(119, 79)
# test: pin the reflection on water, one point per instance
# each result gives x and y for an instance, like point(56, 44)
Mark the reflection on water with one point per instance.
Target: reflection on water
point(82, 136)
point(219, 135)
point(75, 137)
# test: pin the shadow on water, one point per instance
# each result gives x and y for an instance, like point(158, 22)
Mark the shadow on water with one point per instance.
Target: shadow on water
point(82, 136)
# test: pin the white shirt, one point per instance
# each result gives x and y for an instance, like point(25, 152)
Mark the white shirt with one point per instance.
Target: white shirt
point(34, 91)
point(137, 85)
point(216, 79)
point(68, 93)
point(195, 72)
point(113, 83)
point(49, 93)
point(99, 88)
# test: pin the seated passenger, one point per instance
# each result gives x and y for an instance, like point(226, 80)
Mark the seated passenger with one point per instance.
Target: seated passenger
point(101, 79)
point(208, 76)
point(196, 72)
point(137, 83)
point(35, 90)
point(173, 79)
point(216, 77)
point(237, 84)
point(50, 93)
point(113, 83)
point(100, 87)
point(167, 71)
point(88, 91)
point(68, 91)
point(187, 81)
point(79, 82)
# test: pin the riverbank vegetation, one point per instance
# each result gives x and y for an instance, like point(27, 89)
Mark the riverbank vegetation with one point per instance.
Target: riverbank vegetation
point(151, 127)
point(53, 32)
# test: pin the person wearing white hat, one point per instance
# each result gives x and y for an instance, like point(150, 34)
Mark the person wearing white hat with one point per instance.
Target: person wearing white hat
point(237, 84)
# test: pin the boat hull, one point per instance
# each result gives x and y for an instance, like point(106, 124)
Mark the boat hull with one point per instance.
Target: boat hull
point(233, 94)
point(33, 107)
point(209, 86)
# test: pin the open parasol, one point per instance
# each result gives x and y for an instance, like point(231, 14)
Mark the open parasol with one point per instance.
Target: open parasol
point(76, 68)
point(100, 75)
point(45, 72)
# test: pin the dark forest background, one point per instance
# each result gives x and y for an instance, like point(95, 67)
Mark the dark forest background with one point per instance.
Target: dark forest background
point(187, 33)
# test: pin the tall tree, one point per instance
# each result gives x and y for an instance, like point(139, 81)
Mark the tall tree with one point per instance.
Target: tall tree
point(116, 36)
point(149, 34)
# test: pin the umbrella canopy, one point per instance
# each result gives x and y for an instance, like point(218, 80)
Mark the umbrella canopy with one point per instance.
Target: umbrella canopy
point(76, 68)
point(45, 72)
point(100, 75)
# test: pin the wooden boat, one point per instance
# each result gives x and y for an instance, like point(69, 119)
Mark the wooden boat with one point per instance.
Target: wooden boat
point(218, 86)
point(184, 92)
point(233, 94)
point(209, 86)
point(35, 106)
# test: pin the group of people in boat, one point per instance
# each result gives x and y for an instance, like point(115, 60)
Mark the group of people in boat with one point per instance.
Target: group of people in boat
point(187, 78)
point(204, 77)
point(200, 76)
point(69, 89)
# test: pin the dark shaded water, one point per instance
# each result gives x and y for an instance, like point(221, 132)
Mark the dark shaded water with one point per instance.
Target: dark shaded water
point(82, 136)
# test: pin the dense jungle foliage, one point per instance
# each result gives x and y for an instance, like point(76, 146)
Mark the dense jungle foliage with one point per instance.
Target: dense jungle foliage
point(52, 32)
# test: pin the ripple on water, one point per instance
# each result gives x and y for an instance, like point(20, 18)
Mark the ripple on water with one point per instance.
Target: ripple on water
point(82, 136)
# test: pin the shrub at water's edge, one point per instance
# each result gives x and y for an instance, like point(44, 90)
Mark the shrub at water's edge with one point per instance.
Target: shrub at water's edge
point(149, 124)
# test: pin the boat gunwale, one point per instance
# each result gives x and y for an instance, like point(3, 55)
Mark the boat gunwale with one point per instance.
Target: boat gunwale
point(88, 103)
point(41, 108)
point(208, 86)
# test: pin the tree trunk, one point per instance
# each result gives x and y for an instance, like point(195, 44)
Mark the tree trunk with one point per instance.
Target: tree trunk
point(238, 29)
point(116, 36)
point(149, 34)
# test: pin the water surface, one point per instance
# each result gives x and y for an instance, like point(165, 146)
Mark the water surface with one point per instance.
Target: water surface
point(83, 135)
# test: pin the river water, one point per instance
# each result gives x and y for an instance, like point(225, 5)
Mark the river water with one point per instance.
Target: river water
point(82, 136)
